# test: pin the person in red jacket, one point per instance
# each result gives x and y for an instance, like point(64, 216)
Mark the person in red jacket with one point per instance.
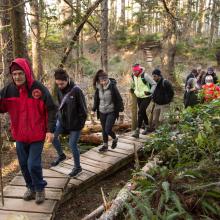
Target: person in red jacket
point(210, 90)
point(33, 115)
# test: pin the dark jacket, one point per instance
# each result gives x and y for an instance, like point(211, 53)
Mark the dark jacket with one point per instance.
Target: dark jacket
point(116, 99)
point(163, 93)
point(191, 98)
point(191, 75)
point(214, 76)
point(73, 113)
point(31, 108)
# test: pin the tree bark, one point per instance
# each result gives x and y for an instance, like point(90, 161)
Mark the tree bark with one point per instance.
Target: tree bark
point(6, 43)
point(169, 39)
point(19, 36)
point(35, 40)
point(214, 22)
point(201, 17)
point(122, 18)
point(104, 35)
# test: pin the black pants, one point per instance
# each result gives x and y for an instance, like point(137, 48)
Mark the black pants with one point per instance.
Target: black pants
point(142, 107)
point(107, 122)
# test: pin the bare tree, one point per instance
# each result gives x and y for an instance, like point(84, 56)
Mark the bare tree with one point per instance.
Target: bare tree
point(35, 40)
point(104, 35)
point(6, 42)
point(19, 36)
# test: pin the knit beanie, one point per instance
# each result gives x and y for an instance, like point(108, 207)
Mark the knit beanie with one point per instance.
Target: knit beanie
point(15, 67)
point(156, 72)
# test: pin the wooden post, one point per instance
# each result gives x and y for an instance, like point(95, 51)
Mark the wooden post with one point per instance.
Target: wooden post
point(1, 178)
point(133, 112)
point(136, 159)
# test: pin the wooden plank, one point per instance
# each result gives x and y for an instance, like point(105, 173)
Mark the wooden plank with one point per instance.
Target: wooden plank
point(18, 192)
point(131, 140)
point(122, 151)
point(101, 157)
point(66, 168)
point(126, 146)
point(75, 182)
point(110, 153)
point(12, 215)
point(49, 173)
point(94, 163)
point(87, 167)
point(51, 182)
point(134, 139)
point(12, 204)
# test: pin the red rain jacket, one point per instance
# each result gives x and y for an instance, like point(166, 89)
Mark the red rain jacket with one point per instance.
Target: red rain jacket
point(31, 108)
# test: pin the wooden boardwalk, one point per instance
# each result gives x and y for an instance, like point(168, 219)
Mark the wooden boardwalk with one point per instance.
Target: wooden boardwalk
point(60, 187)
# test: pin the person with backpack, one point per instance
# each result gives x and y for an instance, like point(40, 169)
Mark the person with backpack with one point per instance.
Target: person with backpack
point(107, 103)
point(191, 94)
point(162, 96)
point(143, 87)
point(211, 72)
point(33, 117)
point(72, 114)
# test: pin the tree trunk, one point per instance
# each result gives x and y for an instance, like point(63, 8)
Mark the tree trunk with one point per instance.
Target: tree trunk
point(6, 43)
point(214, 22)
point(78, 13)
point(169, 39)
point(122, 18)
point(35, 40)
point(104, 35)
point(112, 18)
point(201, 17)
point(134, 112)
point(19, 36)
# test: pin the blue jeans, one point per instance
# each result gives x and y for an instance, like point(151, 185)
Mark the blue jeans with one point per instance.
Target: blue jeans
point(107, 122)
point(73, 140)
point(29, 157)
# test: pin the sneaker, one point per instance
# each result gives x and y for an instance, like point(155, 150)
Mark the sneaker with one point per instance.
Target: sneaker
point(103, 148)
point(75, 172)
point(114, 143)
point(58, 160)
point(136, 133)
point(40, 197)
point(29, 195)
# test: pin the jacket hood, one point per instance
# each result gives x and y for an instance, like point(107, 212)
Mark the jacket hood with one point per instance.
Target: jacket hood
point(25, 65)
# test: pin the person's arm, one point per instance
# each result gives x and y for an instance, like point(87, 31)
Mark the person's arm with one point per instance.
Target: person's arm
point(149, 79)
point(119, 99)
point(81, 102)
point(169, 88)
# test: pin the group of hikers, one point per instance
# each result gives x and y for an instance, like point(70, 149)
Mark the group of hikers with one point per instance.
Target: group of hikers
point(35, 118)
point(201, 86)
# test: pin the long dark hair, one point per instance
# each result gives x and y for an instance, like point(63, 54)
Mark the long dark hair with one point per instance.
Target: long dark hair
point(97, 75)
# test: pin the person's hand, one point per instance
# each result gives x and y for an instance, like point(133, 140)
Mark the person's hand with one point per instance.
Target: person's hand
point(49, 137)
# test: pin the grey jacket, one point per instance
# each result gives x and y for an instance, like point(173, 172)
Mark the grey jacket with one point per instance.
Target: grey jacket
point(106, 104)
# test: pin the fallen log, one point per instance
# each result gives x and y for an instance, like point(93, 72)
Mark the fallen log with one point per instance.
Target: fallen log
point(123, 196)
point(93, 138)
point(90, 128)
point(96, 213)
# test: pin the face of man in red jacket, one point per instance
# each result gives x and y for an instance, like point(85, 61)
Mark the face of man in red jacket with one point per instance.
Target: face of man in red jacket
point(18, 77)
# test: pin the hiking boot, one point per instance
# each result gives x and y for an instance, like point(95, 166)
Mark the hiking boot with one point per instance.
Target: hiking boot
point(136, 133)
point(114, 143)
point(148, 130)
point(40, 197)
point(75, 172)
point(104, 148)
point(58, 160)
point(29, 195)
